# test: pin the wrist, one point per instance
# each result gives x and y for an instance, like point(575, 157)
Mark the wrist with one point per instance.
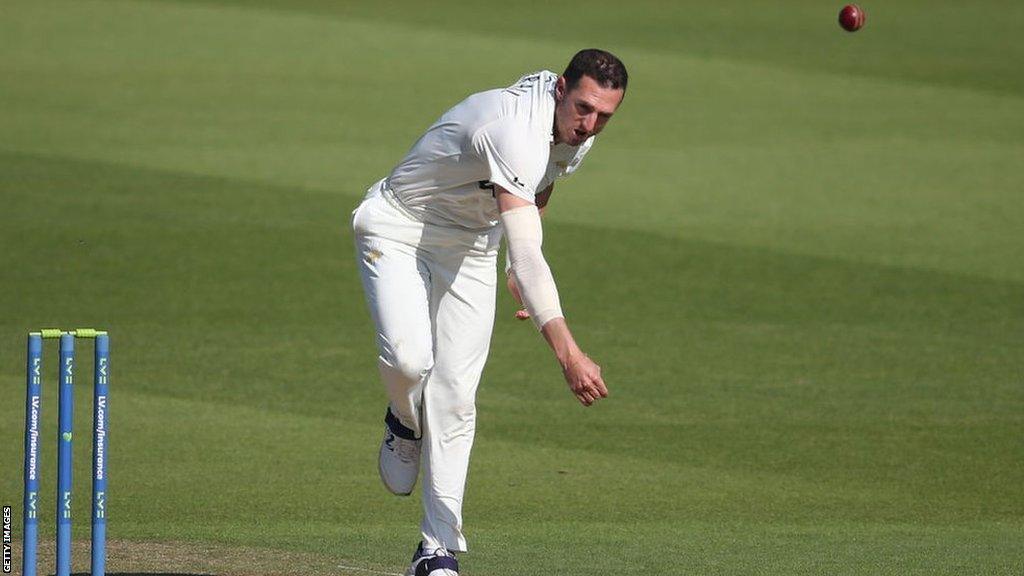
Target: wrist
point(560, 339)
point(570, 357)
point(568, 353)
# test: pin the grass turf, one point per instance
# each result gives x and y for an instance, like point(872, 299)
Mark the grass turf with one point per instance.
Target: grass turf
point(796, 252)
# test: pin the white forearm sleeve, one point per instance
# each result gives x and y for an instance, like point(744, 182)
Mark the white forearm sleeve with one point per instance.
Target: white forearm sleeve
point(536, 284)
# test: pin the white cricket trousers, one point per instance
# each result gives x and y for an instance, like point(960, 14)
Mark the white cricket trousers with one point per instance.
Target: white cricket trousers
point(431, 293)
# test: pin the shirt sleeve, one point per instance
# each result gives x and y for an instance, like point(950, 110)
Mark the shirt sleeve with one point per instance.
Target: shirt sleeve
point(515, 162)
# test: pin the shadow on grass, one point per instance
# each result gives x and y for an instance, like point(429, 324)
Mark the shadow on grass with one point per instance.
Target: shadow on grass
point(147, 574)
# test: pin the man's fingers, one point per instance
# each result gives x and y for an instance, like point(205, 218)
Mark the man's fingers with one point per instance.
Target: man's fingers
point(591, 394)
point(522, 315)
point(585, 398)
point(584, 378)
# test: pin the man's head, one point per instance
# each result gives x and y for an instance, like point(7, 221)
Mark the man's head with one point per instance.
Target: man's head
point(587, 94)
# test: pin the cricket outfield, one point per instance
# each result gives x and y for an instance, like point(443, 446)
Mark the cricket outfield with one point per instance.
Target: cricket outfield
point(795, 251)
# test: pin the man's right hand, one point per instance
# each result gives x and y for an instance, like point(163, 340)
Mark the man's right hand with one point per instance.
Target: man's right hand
point(583, 376)
point(581, 373)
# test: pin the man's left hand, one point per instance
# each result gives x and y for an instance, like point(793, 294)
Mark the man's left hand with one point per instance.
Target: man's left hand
point(513, 288)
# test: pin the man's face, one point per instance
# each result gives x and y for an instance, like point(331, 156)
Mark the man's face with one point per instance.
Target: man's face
point(583, 111)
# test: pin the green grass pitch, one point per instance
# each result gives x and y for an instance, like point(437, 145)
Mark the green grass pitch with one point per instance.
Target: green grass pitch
point(798, 254)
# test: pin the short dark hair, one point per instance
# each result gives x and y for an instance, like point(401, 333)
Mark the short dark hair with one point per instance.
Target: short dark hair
point(607, 70)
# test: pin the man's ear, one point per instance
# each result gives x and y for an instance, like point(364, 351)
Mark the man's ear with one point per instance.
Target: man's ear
point(560, 89)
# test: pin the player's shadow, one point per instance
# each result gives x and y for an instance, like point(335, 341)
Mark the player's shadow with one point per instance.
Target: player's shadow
point(145, 574)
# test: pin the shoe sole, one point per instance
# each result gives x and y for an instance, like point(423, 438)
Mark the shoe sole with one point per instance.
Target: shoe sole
point(380, 471)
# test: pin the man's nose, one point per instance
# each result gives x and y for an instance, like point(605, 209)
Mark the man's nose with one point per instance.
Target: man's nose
point(589, 121)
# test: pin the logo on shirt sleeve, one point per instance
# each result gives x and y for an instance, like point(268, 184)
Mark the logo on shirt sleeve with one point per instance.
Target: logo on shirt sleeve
point(488, 185)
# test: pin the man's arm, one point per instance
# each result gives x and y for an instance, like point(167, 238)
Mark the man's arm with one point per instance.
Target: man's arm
point(543, 197)
point(523, 234)
point(541, 201)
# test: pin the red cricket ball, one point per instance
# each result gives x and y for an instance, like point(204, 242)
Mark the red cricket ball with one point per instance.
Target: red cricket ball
point(852, 17)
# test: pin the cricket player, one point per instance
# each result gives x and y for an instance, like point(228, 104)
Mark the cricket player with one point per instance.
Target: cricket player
point(427, 239)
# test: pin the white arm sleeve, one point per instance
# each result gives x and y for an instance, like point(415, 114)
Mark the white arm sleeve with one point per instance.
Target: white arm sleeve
point(536, 284)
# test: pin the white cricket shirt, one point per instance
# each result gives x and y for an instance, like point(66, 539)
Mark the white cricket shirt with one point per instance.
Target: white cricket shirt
point(502, 137)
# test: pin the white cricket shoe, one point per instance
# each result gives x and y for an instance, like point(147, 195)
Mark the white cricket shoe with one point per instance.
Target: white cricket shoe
point(440, 562)
point(399, 461)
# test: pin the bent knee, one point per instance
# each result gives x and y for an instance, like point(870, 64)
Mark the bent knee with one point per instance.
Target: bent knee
point(458, 404)
point(463, 410)
point(408, 365)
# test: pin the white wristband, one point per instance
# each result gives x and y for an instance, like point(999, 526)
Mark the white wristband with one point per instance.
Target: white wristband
point(525, 236)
